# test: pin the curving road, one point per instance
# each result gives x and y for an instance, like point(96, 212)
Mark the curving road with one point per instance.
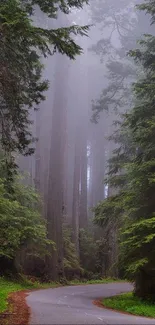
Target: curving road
point(74, 305)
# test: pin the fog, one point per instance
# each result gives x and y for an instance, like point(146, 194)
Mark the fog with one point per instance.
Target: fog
point(85, 97)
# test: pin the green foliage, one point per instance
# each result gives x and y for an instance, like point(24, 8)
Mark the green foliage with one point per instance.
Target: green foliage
point(129, 303)
point(21, 222)
point(148, 6)
point(22, 46)
point(88, 265)
point(93, 255)
point(8, 286)
point(71, 262)
point(98, 281)
point(88, 249)
point(110, 207)
point(51, 7)
point(134, 204)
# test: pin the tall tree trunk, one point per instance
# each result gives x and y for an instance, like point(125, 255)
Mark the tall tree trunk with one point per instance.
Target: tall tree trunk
point(83, 182)
point(76, 195)
point(56, 173)
point(37, 152)
point(145, 283)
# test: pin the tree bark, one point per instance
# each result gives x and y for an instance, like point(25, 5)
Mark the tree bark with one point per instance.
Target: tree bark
point(145, 284)
point(83, 182)
point(76, 195)
point(56, 173)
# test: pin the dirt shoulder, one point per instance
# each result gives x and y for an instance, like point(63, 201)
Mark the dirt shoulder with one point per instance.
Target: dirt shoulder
point(18, 312)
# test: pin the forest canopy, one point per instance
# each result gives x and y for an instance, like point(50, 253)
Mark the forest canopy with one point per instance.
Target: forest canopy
point(77, 115)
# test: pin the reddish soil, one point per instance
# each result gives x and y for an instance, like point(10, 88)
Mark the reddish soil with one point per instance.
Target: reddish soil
point(18, 312)
point(98, 303)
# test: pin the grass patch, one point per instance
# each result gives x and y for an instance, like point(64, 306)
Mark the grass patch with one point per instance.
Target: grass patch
point(8, 286)
point(99, 281)
point(129, 303)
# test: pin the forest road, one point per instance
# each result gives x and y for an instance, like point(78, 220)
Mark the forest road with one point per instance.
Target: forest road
point(74, 305)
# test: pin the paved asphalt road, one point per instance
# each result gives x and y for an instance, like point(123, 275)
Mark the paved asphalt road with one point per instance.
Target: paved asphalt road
point(74, 305)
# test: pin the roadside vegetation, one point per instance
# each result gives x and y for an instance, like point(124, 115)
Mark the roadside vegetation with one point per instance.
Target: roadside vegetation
point(130, 210)
point(98, 281)
point(9, 286)
point(129, 303)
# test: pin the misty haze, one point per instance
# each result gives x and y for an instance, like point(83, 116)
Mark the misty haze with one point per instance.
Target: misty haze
point(77, 161)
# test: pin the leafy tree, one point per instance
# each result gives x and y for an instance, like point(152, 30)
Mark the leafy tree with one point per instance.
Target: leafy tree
point(72, 266)
point(22, 46)
point(21, 224)
point(88, 249)
point(93, 254)
point(133, 205)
